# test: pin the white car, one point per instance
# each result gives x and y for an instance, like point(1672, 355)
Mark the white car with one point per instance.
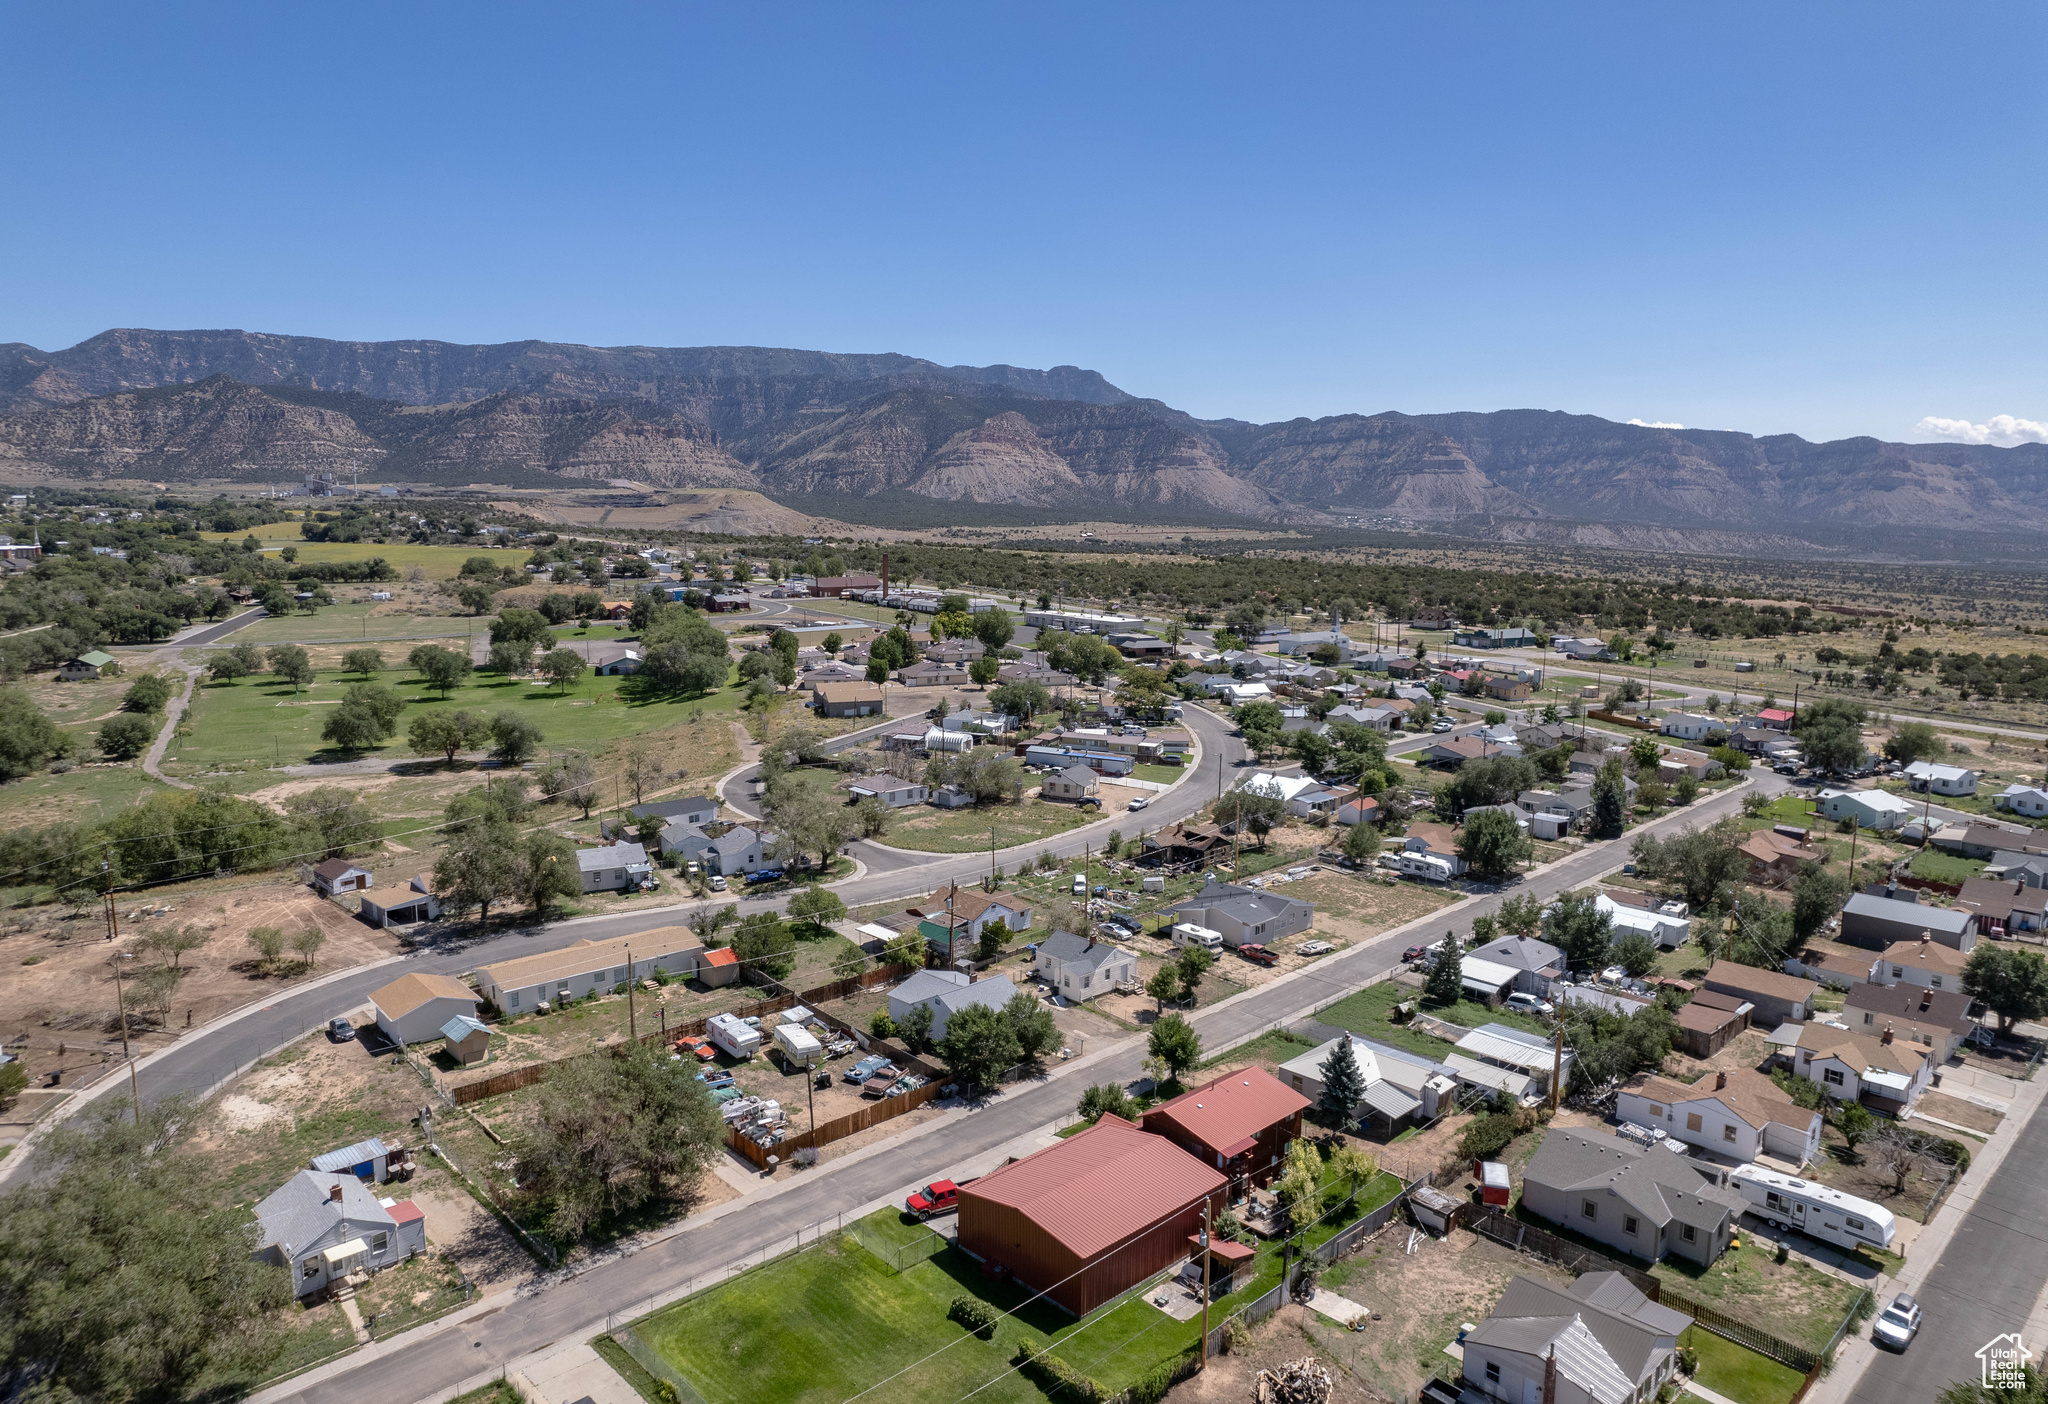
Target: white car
point(1529, 1004)
point(1137, 804)
point(717, 883)
point(1443, 726)
point(1896, 1326)
point(1313, 948)
point(1614, 975)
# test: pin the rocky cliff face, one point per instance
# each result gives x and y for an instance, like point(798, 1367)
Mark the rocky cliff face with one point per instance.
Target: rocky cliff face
point(260, 407)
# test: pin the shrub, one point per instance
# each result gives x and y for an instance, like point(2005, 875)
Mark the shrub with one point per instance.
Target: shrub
point(1152, 1386)
point(1488, 1136)
point(1057, 1378)
point(976, 1315)
point(882, 1026)
point(1688, 1360)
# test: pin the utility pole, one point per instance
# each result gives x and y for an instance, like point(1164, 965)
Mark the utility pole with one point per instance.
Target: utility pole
point(991, 857)
point(121, 1004)
point(1556, 1061)
point(1205, 1284)
point(632, 1019)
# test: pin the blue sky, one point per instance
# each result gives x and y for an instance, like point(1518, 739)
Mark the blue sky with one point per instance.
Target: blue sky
point(1825, 220)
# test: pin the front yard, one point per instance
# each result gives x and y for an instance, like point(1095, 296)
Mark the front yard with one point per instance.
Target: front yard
point(1794, 1300)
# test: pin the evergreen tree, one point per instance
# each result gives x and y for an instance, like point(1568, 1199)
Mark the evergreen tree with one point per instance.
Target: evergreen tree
point(1447, 977)
point(1343, 1083)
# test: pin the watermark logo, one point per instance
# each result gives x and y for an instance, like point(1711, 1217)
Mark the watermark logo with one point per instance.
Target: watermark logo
point(2005, 1362)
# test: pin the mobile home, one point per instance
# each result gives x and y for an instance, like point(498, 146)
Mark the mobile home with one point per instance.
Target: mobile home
point(733, 1035)
point(1815, 1210)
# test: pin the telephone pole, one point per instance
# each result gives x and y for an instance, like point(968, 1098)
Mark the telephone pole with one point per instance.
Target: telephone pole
point(1205, 1284)
point(632, 1018)
point(1556, 1061)
point(121, 1004)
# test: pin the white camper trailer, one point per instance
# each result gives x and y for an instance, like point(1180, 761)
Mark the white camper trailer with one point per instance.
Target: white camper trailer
point(1426, 866)
point(1186, 934)
point(732, 1034)
point(800, 1047)
point(1783, 1201)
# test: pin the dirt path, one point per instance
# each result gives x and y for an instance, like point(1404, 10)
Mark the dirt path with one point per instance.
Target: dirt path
point(152, 764)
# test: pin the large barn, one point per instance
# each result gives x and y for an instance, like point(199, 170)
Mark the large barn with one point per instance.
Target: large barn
point(1092, 1216)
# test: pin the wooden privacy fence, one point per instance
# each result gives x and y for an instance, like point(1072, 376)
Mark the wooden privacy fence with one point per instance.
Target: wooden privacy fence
point(873, 1114)
point(516, 1078)
point(1602, 714)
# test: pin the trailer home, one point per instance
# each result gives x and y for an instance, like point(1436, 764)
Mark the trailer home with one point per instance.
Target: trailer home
point(733, 1035)
point(1781, 1200)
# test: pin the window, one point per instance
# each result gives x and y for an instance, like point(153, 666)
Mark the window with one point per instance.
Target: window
point(1492, 1372)
point(1656, 1109)
point(1856, 1224)
point(512, 1000)
point(379, 1241)
point(1728, 1132)
point(1934, 980)
point(1833, 1076)
point(1898, 972)
point(1628, 1224)
point(1869, 1018)
point(1688, 1233)
point(1589, 1209)
point(1692, 1121)
point(310, 1267)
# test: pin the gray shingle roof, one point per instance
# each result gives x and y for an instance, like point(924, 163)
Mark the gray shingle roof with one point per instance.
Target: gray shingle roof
point(1520, 953)
point(1657, 1183)
point(299, 1211)
point(1078, 952)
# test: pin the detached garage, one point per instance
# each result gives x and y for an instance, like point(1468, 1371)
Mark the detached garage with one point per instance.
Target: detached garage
point(1092, 1216)
point(413, 1008)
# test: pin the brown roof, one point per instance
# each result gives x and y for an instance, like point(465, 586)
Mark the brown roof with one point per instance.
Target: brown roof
point(1861, 1050)
point(1093, 1191)
point(335, 868)
point(409, 992)
point(1993, 896)
point(1704, 1018)
point(832, 692)
point(969, 903)
point(1463, 747)
point(1714, 999)
point(1767, 847)
point(1925, 955)
point(1748, 979)
point(1749, 1094)
point(1226, 1110)
point(1438, 836)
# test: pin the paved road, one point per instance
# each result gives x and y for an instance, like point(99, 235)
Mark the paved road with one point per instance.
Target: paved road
point(1985, 1283)
point(579, 1307)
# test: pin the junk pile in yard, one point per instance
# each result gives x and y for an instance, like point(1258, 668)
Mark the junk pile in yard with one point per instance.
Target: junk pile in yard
point(759, 1119)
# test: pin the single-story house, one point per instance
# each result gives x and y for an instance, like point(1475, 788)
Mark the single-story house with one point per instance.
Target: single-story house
point(691, 809)
point(518, 985)
point(930, 673)
point(1884, 1072)
point(1597, 1341)
point(1779, 998)
point(946, 993)
point(84, 668)
point(466, 1038)
point(972, 909)
point(1240, 1123)
point(415, 902)
point(1399, 1085)
point(614, 660)
point(340, 875)
point(891, 791)
point(1454, 751)
point(1880, 921)
point(1740, 1114)
point(739, 850)
point(834, 586)
point(1537, 964)
point(1707, 1021)
point(1484, 981)
point(1527, 1055)
point(1872, 809)
point(327, 1228)
point(2029, 868)
point(1378, 718)
point(1689, 726)
point(1983, 840)
point(2003, 906)
point(951, 797)
point(615, 868)
point(1645, 1202)
point(1358, 809)
point(412, 1008)
point(1245, 915)
point(1502, 689)
point(848, 699)
point(1300, 795)
point(1436, 840)
point(1776, 718)
point(1091, 1216)
point(1775, 859)
point(1925, 962)
point(1080, 967)
point(1835, 969)
point(1935, 1019)
point(2030, 800)
point(1075, 782)
point(1938, 778)
point(1626, 918)
point(818, 674)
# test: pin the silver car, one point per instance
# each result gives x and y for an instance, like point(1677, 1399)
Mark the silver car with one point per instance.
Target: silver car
point(1897, 1324)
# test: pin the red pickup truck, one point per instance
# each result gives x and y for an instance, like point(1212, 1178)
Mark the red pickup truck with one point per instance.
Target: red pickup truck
point(938, 1197)
point(1258, 955)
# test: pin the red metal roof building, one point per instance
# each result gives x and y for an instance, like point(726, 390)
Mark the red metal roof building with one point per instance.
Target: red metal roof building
point(1091, 1217)
point(1240, 1123)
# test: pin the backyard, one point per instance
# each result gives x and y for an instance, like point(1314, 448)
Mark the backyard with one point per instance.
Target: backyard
point(1793, 1300)
point(1370, 1013)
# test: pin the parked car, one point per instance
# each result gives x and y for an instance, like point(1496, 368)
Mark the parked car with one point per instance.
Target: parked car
point(1413, 954)
point(1443, 725)
point(1529, 1004)
point(764, 875)
point(717, 883)
point(1137, 804)
point(1315, 948)
point(696, 1044)
point(938, 1197)
point(340, 1030)
point(866, 1068)
point(1080, 888)
point(1896, 1326)
point(1258, 954)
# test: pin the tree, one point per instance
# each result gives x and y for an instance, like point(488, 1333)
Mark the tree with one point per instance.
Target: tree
point(228, 666)
point(2031, 1388)
point(1493, 843)
point(169, 944)
point(764, 944)
point(1033, 1024)
point(1106, 1099)
point(2012, 983)
point(1362, 843)
point(1830, 732)
point(306, 943)
point(817, 909)
point(1636, 953)
point(994, 628)
point(980, 1044)
point(1610, 801)
point(1817, 894)
point(1855, 1122)
point(446, 733)
point(13, 1082)
point(1643, 753)
point(1582, 931)
point(332, 821)
point(1023, 700)
point(1300, 1186)
point(1763, 932)
point(1899, 1152)
point(268, 942)
point(915, 1028)
point(121, 1278)
point(364, 661)
point(478, 868)
point(125, 736)
point(290, 662)
point(995, 935)
point(571, 779)
point(28, 739)
point(561, 666)
point(368, 715)
point(612, 1133)
point(546, 872)
point(833, 643)
point(1260, 724)
point(442, 669)
point(1254, 810)
point(1700, 861)
point(1190, 966)
point(1913, 741)
point(1446, 983)
point(1164, 985)
point(1175, 1043)
point(1520, 915)
point(514, 740)
point(476, 596)
point(985, 670)
point(1343, 1084)
point(148, 694)
point(511, 656)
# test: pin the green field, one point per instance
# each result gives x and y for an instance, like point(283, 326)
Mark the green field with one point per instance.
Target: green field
point(1370, 1013)
point(354, 623)
point(82, 796)
point(1737, 1372)
point(258, 720)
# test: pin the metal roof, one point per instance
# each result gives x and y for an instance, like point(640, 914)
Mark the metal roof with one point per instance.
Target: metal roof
point(1094, 1190)
point(1511, 1046)
point(348, 1157)
point(1486, 972)
point(1224, 1111)
point(1389, 1100)
point(1487, 1075)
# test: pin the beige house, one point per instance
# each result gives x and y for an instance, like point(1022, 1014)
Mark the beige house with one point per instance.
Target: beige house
point(519, 986)
point(1925, 962)
point(1740, 1114)
point(412, 1008)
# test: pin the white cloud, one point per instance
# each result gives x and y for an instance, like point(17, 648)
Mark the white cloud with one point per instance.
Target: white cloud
point(2002, 430)
point(1654, 424)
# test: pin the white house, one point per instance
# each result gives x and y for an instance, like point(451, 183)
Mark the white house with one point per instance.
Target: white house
point(891, 791)
point(1665, 932)
point(1872, 809)
point(340, 875)
point(1941, 779)
point(1925, 962)
point(972, 909)
point(1075, 782)
point(1300, 795)
point(614, 869)
point(946, 993)
point(1398, 1085)
point(1740, 1114)
point(412, 1008)
point(519, 985)
point(1598, 1341)
point(328, 1228)
point(1887, 1073)
point(1077, 967)
point(2030, 800)
point(1689, 726)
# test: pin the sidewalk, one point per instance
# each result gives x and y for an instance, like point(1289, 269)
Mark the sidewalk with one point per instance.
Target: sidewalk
point(1856, 1353)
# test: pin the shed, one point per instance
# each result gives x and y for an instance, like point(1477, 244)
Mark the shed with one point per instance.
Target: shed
point(412, 1008)
point(1240, 1122)
point(85, 667)
point(340, 875)
point(467, 1039)
point(414, 903)
point(366, 1160)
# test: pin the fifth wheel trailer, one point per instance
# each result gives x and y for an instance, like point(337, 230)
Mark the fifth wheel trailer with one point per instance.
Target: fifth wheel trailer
point(1815, 1210)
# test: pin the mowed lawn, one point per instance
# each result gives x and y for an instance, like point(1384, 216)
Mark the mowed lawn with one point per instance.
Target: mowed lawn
point(436, 562)
point(930, 830)
point(355, 623)
point(1369, 1013)
point(1737, 1372)
point(259, 720)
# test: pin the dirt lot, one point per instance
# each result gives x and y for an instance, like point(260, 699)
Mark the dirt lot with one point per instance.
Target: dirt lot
point(1351, 907)
point(59, 994)
point(1864, 1177)
point(1962, 1113)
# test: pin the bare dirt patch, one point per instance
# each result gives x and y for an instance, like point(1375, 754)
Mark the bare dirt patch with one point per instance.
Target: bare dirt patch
point(1962, 1113)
